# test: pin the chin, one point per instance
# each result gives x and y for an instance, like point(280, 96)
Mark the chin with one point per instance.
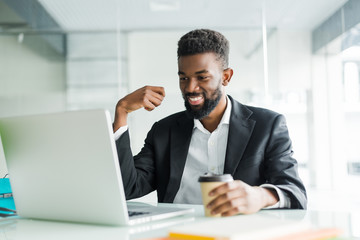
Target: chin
point(196, 107)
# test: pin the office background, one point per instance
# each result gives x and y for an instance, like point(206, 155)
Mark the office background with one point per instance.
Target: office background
point(300, 58)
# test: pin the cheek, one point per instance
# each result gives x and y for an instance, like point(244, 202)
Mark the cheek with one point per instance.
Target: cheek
point(213, 85)
point(181, 86)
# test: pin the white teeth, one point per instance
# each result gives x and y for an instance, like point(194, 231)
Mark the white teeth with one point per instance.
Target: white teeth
point(195, 99)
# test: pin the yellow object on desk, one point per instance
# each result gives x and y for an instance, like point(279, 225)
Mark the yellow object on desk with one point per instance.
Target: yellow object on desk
point(249, 227)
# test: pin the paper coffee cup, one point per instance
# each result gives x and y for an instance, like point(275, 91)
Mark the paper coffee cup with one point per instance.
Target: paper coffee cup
point(208, 182)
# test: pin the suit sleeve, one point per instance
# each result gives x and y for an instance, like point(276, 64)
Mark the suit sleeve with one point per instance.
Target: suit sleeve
point(138, 172)
point(281, 167)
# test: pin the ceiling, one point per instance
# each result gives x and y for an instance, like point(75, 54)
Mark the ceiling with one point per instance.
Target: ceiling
point(133, 15)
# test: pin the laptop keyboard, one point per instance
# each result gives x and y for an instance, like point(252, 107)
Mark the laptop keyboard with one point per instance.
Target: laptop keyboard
point(135, 213)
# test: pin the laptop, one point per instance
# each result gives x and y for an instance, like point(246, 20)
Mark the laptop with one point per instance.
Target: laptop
point(64, 166)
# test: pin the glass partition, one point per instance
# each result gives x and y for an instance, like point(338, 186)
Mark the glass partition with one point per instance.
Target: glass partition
point(336, 96)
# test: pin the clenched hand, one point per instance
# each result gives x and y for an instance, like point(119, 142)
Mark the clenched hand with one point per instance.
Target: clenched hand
point(148, 97)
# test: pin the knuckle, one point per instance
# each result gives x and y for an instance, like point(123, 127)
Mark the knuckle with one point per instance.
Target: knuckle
point(246, 191)
point(228, 195)
point(237, 209)
point(233, 204)
point(143, 89)
point(228, 184)
point(229, 204)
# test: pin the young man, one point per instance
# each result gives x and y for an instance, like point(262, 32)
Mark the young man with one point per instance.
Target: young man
point(215, 134)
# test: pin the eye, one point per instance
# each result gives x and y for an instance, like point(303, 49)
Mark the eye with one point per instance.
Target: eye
point(183, 78)
point(202, 78)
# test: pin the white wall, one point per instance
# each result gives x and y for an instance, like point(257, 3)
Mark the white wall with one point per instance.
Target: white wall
point(93, 70)
point(32, 79)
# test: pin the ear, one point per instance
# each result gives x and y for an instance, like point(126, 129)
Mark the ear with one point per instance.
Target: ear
point(226, 77)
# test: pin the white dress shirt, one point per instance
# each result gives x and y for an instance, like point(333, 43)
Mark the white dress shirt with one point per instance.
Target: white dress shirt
point(207, 154)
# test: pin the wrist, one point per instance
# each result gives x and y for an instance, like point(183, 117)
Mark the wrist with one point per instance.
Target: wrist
point(269, 196)
point(120, 119)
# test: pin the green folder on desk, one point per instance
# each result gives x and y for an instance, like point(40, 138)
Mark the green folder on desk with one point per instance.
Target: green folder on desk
point(6, 199)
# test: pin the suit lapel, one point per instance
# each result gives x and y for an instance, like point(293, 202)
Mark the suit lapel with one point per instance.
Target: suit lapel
point(240, 130)
point(180, 142)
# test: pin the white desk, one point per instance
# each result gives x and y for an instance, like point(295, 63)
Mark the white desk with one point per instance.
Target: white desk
point(25, 229)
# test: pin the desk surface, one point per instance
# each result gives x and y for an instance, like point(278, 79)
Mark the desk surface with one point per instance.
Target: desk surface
point(27, 229)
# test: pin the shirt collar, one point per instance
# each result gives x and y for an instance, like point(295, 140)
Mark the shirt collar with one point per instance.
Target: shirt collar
point(224, 120)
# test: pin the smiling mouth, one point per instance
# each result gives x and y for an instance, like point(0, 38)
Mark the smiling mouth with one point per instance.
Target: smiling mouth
point(195, 100)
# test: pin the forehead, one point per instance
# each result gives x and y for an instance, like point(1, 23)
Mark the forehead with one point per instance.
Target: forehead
point(198, 62)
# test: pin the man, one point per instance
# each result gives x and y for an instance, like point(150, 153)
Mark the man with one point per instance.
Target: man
point(215, 134)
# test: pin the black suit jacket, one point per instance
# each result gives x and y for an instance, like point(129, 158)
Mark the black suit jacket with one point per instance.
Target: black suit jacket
point(258, 151)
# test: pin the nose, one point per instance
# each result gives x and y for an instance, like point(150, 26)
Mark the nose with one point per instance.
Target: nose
point(191, 85)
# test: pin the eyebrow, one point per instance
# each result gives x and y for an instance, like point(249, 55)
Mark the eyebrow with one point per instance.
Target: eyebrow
point(198, 72)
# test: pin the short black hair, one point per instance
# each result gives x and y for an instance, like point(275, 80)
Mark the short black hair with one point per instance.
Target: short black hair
point(203, 41)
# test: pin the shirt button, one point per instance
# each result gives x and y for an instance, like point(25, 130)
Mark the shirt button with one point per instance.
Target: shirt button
point(211, 143)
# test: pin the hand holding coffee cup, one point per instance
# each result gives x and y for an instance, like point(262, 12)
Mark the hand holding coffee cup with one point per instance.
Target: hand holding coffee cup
point(208, 182)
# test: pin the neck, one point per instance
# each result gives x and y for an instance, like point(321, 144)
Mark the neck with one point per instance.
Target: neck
point(212, 121)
